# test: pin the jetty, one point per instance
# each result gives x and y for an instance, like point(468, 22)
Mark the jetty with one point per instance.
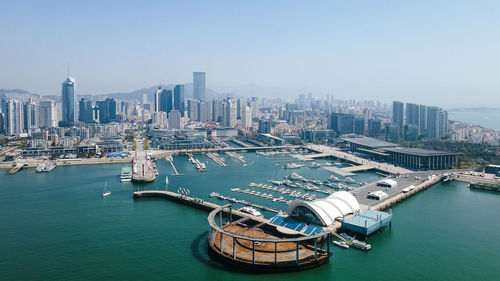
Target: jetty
point(171, 160)
point(218, 160)
point(16, 168)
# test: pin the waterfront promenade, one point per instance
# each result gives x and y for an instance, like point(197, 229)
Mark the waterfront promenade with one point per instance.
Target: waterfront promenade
point(335, 152)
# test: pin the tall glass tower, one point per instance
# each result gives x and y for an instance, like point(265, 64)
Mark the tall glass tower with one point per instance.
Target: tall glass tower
point(179, 99)
point(68, 102)
point(199, 85)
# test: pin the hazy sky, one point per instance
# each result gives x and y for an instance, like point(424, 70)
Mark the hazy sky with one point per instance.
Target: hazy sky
point(435, 52)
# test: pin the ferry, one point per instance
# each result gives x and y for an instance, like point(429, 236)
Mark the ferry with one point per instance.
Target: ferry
point(251, 211)
point(44, 168)
point(126, 174)
point(341, 244)
point(293, 166)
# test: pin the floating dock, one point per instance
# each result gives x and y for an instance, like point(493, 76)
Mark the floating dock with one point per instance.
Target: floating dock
point(171, 160)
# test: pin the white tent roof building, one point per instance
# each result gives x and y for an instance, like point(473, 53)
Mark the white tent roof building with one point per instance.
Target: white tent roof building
point(324, 211)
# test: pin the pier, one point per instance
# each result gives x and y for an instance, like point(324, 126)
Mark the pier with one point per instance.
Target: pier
point(16, 169)
point(218, 160)
point(237, 156)
point(200, 167)
point(169, 159)
point(142, 168)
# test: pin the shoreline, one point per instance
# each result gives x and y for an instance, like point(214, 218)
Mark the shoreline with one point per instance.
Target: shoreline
point(72, 162)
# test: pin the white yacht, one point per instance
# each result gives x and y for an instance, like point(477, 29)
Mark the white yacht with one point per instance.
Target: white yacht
point(105, 192)
point(44, 168)
point(293, 166)
point(251, 211)
point(341, 244)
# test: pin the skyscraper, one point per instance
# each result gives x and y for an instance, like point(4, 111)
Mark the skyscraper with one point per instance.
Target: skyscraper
point(47, 114)
point(423, 118)
point(68, 102)
point(13, 117)
point(433, 122)
point(229, 113)
point(413, 115)
point(174, 119)
point(30, 112)
point(199, 85)
point(194, 110)
point(85, 110)
point(157, 99)
point(397, 115)
point(166, 100)
point(107, 110)
point(179, 99)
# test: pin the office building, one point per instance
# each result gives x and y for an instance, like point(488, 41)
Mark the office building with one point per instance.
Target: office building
point(30, 112)
point(397, 115)
point(47, 114)
point(179, 99)
point(107, 110)
point(199, 87)
point(264, 126)
point(174, 119)
point(68, 103)
point(229, 113)
point(13, 117)
point(374, 127)
point(193, 110)
point(413, 115)
point(85, 110)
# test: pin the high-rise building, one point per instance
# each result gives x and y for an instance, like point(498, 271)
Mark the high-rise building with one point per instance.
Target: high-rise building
point(241, 105)
point(2, 123)
point(144, 98)
point(397, 115)
point(194, 110)
point(229, 113)
point(341, 123)
point(68, 102)
point(85, 110)
point(359, 125)
point(411, 132)
point(107, 110)
point(157, 99)
point(47, 114)
point(264, 126)
point(246, 118)
point(255, 108)
point(392, 133)
point(199, 87)
point(423, 118)
point(179, 99)
point(217, 108)
point(166, 100)
point(30, 112)
point(374, 127)
point(413, 114)
point(433, 122)
point(13, 117)
point(205, 111)
point(174, 119)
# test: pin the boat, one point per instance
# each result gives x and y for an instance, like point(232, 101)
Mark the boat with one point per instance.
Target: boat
point(361, 245)
point(346, 236)
point(349, 180)
point(166, 180)
point(126, 174)
point(333, 178)
point(44, 168)
point(293, 166)
point(295, 176)
point(315, 165)
point(341, 244)
point(105, 192)
point(251, 211)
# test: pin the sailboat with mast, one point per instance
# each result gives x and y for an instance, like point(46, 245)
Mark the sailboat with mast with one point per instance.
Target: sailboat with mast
point(105, 192)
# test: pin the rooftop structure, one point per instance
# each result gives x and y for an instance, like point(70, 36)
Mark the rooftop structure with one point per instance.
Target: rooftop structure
point(367, 222)
point(324, 211)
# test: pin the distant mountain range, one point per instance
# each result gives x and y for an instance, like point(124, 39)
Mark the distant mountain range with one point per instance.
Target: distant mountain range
point(134, 95)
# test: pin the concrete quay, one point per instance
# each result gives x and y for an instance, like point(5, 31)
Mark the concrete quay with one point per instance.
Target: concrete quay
point(335, 152)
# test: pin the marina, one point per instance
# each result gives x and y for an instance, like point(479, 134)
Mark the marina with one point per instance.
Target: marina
point(143, 214)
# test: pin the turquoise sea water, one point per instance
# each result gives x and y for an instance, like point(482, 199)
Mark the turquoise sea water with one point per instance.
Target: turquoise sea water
point(487, 119)
point(57, 226)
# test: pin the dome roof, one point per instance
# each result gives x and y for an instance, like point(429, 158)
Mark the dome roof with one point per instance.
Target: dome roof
point(328, 209)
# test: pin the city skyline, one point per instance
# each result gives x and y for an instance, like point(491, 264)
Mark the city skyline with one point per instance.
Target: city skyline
point(348, 50)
